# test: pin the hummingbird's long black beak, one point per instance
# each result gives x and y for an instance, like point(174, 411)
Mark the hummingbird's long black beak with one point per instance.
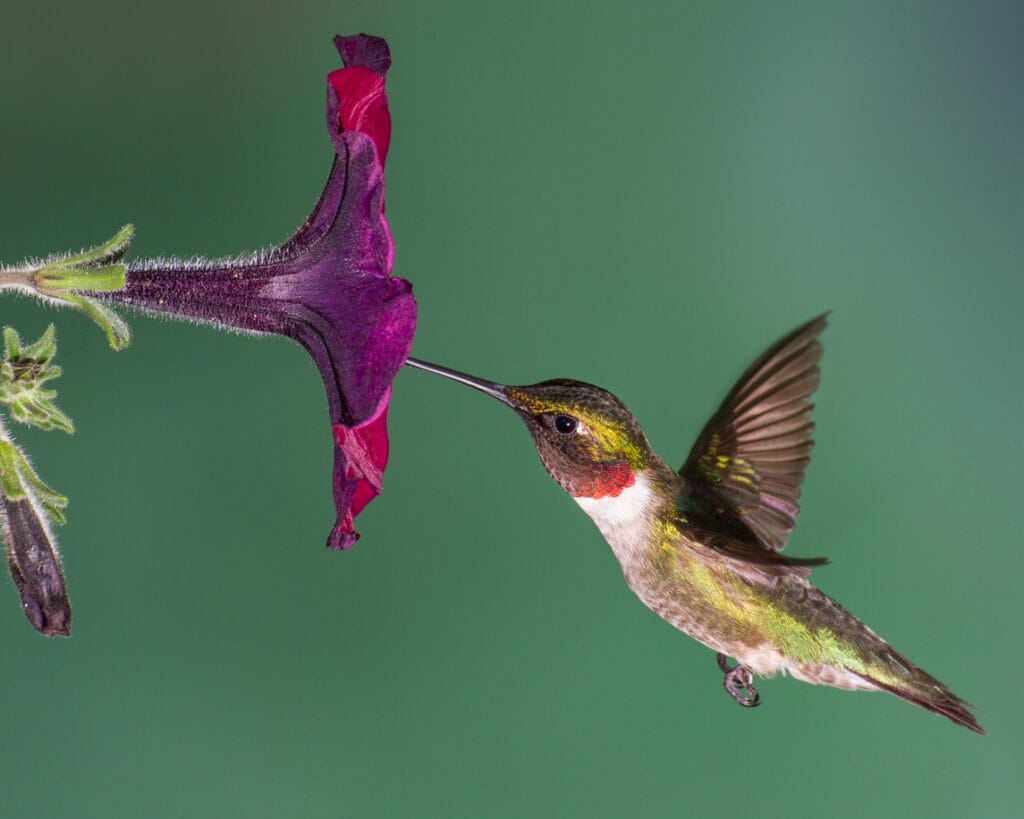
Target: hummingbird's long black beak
point(489, 387)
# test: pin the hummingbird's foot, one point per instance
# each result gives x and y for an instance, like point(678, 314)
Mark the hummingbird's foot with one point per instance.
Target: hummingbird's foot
point(739, 682)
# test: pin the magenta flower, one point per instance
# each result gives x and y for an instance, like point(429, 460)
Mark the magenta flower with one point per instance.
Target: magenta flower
point(328, 287)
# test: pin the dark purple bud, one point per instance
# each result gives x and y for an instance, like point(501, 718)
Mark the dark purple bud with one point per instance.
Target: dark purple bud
point(35, 566)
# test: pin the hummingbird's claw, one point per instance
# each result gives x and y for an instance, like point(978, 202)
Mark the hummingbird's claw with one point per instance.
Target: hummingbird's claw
point(739, 682)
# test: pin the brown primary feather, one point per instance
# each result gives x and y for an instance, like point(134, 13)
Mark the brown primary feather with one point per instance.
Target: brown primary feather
point(749, 460)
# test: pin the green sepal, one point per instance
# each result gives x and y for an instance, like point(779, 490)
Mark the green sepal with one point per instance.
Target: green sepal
point(19, 480)
point(110, 251)
point(23, 371)
point(98, 269)
point(41, 350)
point(12, 342)
point(119, 335)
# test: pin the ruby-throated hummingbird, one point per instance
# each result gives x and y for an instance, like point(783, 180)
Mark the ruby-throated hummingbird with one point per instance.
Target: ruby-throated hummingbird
point(700, 547)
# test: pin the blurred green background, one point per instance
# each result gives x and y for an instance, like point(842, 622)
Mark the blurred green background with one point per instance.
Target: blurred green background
point(641, 198)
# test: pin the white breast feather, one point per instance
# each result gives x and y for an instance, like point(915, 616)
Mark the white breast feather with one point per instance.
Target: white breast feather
point(625, 519)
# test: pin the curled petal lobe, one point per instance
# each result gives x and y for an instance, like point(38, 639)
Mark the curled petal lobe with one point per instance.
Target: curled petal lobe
point(361, 103)
point(360, 455)
point(364, 50)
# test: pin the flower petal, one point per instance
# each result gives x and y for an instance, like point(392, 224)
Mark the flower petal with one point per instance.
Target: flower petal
point(355, 102)
point(360, 455)
point(365, 50)
point(362, 103)
point(357, 323)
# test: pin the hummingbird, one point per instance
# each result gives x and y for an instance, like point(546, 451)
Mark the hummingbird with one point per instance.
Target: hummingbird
point(701, 545)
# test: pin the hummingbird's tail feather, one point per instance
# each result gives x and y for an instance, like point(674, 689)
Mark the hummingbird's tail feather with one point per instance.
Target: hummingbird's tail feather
point(862, 659)
point(927, 692)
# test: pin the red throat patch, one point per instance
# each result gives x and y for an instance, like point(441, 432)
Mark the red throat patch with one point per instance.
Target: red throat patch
point(609, 482)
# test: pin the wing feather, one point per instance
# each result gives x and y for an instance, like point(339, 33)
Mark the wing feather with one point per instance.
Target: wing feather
point(749, 460)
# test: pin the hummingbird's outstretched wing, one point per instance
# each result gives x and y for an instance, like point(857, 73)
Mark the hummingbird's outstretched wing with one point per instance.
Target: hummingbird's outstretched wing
point(747, 465)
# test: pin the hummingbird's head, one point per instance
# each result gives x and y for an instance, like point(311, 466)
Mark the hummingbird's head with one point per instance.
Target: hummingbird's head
point(587, 439)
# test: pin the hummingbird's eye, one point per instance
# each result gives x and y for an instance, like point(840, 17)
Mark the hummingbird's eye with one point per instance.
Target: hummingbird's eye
point(565, 424)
